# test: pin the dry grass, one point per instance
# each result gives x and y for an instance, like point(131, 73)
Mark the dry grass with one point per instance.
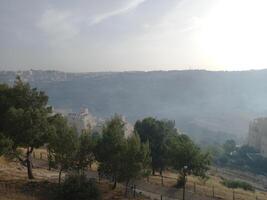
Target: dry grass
point(14, 184)
point(208, 187)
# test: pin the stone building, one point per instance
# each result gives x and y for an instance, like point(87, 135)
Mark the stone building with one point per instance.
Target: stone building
point(257, 136)
point(83, 120)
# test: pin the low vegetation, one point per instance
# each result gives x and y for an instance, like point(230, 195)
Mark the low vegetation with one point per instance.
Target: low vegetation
point(238, 184)
point(238, 157)
point(78, 187)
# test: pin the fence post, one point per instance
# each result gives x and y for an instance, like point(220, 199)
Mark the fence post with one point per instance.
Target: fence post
point(6, 188)
point(2, 187)
point(161, 197)
point(161, 180)
point(184, 191)
point(41, 156)
point(33, 196)
point(233, 194)
point(213, 194)
point(134, 190)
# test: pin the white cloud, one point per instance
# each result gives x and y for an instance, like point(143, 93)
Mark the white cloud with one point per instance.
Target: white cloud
point(127, 8)
point(58, 25)
point(179, 22)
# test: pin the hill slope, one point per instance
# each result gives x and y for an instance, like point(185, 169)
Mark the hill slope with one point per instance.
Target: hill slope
point(211, 106)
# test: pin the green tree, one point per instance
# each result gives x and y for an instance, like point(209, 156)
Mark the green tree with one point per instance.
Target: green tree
point(216, 153)
point(135, 160)
point(85, 153)
point(25, 119)
point(187, 158)
point(5, 144)
point(229, 146)
point(63, 144)
point(78, 187)
point(156, 132)
point(110, 148)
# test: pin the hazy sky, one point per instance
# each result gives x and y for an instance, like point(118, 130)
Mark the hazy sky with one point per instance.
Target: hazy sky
point(119, 35)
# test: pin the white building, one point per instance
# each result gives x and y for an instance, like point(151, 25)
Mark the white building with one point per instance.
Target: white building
point(257, 136)
point(82, 121)
point(129, 129)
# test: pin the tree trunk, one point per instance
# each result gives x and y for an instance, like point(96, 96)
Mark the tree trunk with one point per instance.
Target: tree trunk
point(83, 172)
point(29, 163)
point(99, 176)
point(115, 183)
point(153, 172)
point(59, 176)
point(49, 159)
point(184, 177)
point(184, 191)
point(126, 188)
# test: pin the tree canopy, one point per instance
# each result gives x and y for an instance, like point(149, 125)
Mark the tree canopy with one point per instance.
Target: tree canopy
point(85, 152)
point(5, 145)
point(156, 132)
point(110, 148)
point(135, 160)
point(63, 144)
point(25, 114)
point(121, 158)
point(184, 153)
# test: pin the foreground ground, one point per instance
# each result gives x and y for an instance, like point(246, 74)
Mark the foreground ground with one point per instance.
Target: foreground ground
point(14, 185)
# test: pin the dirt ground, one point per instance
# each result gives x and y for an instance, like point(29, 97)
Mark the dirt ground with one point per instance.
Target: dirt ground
point(14, 184)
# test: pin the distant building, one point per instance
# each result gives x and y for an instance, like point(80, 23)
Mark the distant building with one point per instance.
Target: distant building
point(128, 127)
point(257, 136)
point(82, 121)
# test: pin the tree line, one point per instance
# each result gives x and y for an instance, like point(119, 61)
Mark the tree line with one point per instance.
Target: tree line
point(241, 157)
point(28, 122)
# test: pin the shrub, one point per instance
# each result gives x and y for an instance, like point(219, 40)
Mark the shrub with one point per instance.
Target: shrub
point(78, 187)
point(180, 181)
point(237, 184)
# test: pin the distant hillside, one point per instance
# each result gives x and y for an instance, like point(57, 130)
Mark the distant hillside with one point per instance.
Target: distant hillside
point(210, 106)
